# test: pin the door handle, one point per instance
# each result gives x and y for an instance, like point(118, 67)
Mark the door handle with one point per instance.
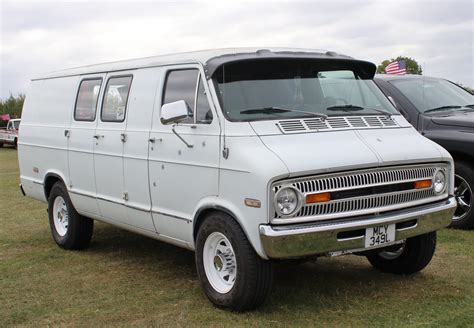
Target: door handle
point(98, 136)
point(67, 133)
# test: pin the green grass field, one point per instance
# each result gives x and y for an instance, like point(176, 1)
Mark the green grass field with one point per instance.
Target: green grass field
point(125, 279)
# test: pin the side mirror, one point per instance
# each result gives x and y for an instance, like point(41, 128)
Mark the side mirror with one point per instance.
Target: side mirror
point(175, 112)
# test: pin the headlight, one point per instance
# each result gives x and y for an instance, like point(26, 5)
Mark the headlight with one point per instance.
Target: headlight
point(439, 181)
point(287, 201)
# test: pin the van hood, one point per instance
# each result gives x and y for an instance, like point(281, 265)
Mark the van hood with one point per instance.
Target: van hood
point(320, 152)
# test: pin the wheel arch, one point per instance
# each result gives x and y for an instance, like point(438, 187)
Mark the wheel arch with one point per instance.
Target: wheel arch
point(205, 209)
point(49, 180)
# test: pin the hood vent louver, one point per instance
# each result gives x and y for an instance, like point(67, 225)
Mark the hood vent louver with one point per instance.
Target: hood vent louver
point(335, 123)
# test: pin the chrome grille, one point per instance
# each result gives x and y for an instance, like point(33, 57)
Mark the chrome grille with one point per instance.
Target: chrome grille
point(335, 123)
point(360, 205)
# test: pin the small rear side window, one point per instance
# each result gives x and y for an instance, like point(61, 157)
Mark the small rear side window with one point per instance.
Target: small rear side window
point(86, 102)
point(115, 99)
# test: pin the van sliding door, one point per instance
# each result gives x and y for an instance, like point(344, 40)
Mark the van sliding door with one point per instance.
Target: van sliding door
point(108, 147)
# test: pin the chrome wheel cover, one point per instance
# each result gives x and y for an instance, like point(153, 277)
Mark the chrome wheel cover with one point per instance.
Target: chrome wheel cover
point(220, 263)
point(392, 255)
point(463, 194)
point(60, 216)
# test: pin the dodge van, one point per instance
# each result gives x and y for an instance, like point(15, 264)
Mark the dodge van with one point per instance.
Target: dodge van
point(245, 156)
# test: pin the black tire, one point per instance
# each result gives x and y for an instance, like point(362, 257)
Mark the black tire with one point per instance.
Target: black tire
point(465, 172)
point(1, 145)
point(254, 275)
point(15, 143)
point(79, 230)
point(416, 254)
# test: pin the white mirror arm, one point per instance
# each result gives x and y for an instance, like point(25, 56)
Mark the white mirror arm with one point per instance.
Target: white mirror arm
point(181, 138)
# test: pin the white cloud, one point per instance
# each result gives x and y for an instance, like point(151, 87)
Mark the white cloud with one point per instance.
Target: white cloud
point(44, 36)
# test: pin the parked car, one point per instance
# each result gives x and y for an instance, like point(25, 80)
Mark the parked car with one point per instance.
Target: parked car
point(242, 155)
point(9, 135)
point(443, 112)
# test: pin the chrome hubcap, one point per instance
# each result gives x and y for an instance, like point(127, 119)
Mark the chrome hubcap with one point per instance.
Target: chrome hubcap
point(463, 194)
point(220, 263)
point(393, 254)
point(60, 216)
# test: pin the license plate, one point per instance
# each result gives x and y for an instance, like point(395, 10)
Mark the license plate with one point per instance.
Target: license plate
point(379, 235)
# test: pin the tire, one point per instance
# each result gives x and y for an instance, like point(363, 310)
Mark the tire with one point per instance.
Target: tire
point(464, 187)
point(253, 276)
point(15, 143)
point(69, 229)
point(413, 256)
point(1, 145)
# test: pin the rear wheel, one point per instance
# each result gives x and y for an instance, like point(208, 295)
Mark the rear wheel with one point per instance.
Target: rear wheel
point(15, 143)
point(463, 188)
point(1, 145)
point(410, 257)
point(233, 276)
point(69, 229)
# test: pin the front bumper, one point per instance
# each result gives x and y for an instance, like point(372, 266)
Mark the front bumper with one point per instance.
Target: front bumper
point(347, 236)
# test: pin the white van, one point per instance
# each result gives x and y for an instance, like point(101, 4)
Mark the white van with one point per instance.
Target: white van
point(242, 155)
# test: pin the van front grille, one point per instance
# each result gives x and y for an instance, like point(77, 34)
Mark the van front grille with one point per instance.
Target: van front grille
point(361, 192)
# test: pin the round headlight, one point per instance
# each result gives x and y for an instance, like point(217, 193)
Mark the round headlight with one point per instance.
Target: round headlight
point(439, 181)
point(287, 201)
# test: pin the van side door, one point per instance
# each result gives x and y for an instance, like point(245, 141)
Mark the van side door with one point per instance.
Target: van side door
point(183, 159)
point(135, 156)
point(108, 147)
point(81, 144)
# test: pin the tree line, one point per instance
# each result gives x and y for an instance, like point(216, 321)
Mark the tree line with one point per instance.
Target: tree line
point(12, 106)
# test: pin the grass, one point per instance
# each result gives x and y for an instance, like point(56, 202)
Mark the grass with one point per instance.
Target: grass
point(126, 279)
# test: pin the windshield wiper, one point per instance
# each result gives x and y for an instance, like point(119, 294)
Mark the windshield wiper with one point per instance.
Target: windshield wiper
point(354, 108)
point(273, 110)
point(442, 108)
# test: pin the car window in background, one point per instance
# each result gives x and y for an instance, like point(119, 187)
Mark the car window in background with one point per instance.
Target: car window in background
point(16, 125)
point(428, 94)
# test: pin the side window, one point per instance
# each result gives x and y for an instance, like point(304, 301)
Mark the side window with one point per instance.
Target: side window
point(115, 99)
point(86, 102)
point(181, 85)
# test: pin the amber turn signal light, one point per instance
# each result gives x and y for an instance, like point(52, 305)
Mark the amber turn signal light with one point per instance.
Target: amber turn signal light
point(423, 184)
point(318, 198)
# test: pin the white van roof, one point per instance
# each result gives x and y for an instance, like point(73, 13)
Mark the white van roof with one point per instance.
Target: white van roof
point(213, 58)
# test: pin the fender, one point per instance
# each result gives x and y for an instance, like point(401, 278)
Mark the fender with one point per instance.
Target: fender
point(220, 204)
point(56, 175)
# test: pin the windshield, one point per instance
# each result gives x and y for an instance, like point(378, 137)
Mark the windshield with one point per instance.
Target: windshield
point(283, 88)
point(428, 94)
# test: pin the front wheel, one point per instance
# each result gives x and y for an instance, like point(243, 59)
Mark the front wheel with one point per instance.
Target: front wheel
point(70, 230)
point(410, 257)
point(232, 275)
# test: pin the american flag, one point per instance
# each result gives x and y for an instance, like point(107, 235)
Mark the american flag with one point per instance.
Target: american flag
point(397, 67)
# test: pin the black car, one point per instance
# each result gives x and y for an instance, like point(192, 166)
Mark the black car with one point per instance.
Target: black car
point(443, 112)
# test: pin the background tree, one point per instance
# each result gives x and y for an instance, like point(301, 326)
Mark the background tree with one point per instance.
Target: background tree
point(412, 65)
point(13, 105)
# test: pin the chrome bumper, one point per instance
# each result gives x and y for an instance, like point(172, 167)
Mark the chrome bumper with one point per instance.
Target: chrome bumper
point(325, 238)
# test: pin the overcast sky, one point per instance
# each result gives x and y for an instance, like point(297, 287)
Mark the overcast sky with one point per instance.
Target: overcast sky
point(42, 36)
